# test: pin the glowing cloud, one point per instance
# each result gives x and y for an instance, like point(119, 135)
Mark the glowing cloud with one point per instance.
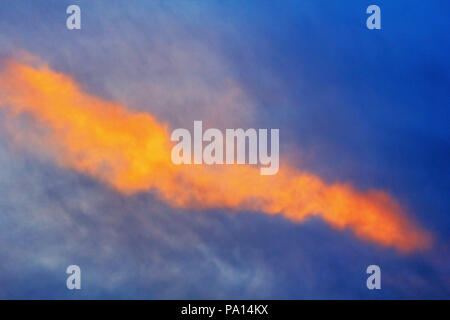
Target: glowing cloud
point(131, 152)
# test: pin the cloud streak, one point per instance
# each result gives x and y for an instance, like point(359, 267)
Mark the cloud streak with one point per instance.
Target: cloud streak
point(130, 152)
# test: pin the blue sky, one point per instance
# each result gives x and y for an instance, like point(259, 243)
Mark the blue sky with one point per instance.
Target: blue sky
point(366, 107)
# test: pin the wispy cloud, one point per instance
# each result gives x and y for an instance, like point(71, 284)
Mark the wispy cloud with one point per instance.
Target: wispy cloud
point(131, 152)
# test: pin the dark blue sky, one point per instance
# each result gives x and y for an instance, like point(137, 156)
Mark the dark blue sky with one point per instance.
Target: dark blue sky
point(369, 107)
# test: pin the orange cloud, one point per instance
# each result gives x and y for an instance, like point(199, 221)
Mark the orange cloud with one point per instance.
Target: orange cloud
point(131, 152)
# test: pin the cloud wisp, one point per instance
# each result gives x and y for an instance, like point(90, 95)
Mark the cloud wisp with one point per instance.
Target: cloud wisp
point(130, 152)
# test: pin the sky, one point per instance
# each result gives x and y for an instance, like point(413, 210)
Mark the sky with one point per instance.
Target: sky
point(358, 110)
